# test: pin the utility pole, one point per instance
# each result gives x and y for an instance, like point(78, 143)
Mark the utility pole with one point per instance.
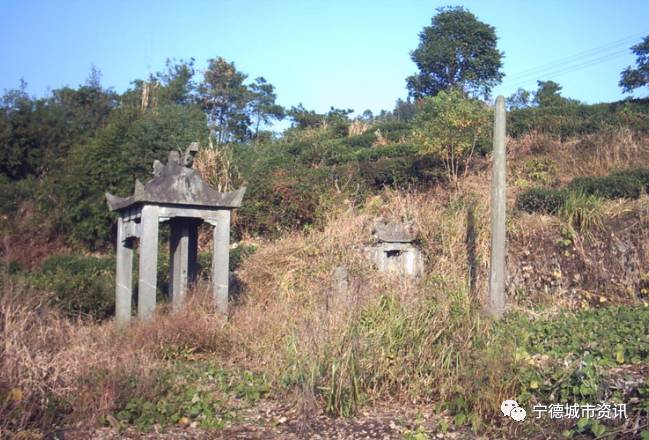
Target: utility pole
point(496, 300)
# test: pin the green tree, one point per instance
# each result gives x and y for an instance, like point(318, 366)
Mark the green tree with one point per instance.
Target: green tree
point(631, 78)
point(87, 107)
point(548, 94)
point(456, 50)
point(178, 82)
point(224, 97)
point(262, 104)
point(452, 126)
point(36, 134)
point(121, 151)
point(335, 118)
point(303, 118)
point(404, 110)
point(521, 98)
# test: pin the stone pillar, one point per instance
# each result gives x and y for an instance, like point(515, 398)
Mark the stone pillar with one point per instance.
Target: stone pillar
point(178, 261)
point(123, 275)
point(192, 264)
point(148, 262)
point(221, 260)
point(496, 300)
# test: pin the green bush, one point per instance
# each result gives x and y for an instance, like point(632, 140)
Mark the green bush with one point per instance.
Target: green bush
point(80, 285)
point(578, 119)
point(614, 186)
point(578, 346)
point(376, 153)
point(13, 193)
point(641, 174)
point(364, 140)
point(394, 131)
point(542, 200)
point(538, 170)
point(123, 150)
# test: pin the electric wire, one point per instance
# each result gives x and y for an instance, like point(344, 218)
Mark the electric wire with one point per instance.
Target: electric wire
point(578, 61)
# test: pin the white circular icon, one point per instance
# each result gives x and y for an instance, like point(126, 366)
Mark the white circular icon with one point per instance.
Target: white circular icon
point(507, 406)
point(518, 414)
point(511, 409)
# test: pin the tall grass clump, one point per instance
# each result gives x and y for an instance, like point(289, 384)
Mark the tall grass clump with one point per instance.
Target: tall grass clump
point(436, 349)
point(582, 212)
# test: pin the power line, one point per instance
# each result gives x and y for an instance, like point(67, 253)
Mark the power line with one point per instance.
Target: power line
point(541, 71)
point(623, 42)
point(572, 63)
point(565, 69)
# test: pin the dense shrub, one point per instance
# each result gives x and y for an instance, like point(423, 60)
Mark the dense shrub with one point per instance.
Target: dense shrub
point(625, 184)
point(577, 119)
point(13, 193)
point(537, 170)
point(394, 131)
point(543, 200)
point(615, 186)
point(641, 174)
point(364, 140)
point(122, 151)
point(80, 285)
point(400, 171)
point(376, 153)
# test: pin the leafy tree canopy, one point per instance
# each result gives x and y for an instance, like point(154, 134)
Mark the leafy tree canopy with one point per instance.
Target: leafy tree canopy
point(224, 97)
point(548, 94)
point(452, 127)
point(262, 104)
point(631, 78)
point(303, 118)
point(456, 50)
point(36, 133)
point(235, 110)
point(521, 98)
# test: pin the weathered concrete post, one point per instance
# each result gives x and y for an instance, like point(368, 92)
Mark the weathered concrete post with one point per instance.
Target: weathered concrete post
point(148, 262)
point(123, 275)
point(496, 301)
point(221, 260)
point(178, 262)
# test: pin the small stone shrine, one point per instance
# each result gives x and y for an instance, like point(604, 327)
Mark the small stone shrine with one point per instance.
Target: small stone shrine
point(394, 250)
point(178, 195)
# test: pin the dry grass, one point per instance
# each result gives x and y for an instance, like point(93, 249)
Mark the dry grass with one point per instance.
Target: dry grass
point(589, 155)
point(49, 362)
point(56, 371)
point(599, 154)
point(215, 167)
point(358, 127)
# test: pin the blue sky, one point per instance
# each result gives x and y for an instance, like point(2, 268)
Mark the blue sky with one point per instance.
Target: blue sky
point(347, 54)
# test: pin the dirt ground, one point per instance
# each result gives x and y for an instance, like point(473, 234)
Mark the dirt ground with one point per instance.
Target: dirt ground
point(269, 420)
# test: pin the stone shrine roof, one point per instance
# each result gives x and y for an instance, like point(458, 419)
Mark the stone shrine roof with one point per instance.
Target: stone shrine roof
point(177, 183)
point(392, 232)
